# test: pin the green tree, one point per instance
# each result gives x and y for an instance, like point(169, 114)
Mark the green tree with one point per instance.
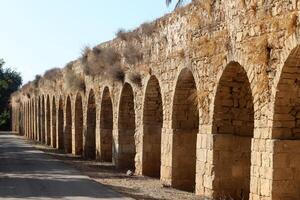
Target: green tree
point(10, 81)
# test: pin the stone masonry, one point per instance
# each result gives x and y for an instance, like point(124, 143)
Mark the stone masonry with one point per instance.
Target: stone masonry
point(217, 111)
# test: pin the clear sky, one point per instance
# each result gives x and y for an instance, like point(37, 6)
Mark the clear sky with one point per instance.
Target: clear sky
point(36, 35)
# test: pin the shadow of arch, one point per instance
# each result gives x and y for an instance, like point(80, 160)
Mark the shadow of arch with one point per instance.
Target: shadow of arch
point(185, 124)
point(233, 129)
point(152, 128)
point(90, 137)
point(126, 126)
point(78, 125)
point(68, 127)
point(106, 127)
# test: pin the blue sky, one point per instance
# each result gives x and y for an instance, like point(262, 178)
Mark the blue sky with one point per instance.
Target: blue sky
point(37, 35)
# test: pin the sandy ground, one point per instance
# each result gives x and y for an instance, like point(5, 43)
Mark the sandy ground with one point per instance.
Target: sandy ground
point(137, 187)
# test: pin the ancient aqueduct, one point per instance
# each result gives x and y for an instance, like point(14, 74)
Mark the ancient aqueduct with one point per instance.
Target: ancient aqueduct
point(241, 137)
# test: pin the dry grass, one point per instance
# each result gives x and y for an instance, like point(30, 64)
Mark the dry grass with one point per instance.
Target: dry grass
point(116, 73)
point(84, 53)
point(36, 81)
point(73, 81)
point(53, 74)
point(148, 28)
point(132, 55)
point(28, 89)
point(127, 35)
point(99, 59)
point(135, 78)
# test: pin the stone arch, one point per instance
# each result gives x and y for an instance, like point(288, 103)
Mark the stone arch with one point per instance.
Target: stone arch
point(36, 102)
point(48, 121)
point(233, 130)
point(54, 120)
point(39, 119)
point(286, 130)
point(60, 124)
point(126, 125)
point(106, 127)
point(78, 125)
point(68, 127)
point(185, 124)
point(90, 137)
point(43, 120)
point(152, 128)
point(31, 119)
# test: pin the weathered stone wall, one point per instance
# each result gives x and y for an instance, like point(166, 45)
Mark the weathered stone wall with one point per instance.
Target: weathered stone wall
point(239, 59)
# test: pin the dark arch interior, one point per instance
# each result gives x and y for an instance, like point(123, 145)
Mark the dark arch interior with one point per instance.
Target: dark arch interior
point(78, 126)
point(286, 127)
point(39, 120)
point(233, 125)
point(48, 125)
point(153, 121)
point(53, 140)
point(90, 137)
point(126, 125)
point(106, 127)
point(43, 122)
point(68, 127)
point(185, 128)
point(60, 125)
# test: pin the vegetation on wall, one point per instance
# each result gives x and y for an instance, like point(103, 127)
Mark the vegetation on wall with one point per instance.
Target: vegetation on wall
point(10, 81)
point(73, 81)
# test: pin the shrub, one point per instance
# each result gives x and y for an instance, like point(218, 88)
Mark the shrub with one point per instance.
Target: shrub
point(148, 28)
point(99, 59)
point(132, 55)
point(73, 81)
point(116, 73)
point(36, 81)
point(84, 53)
point(128, 35)
point(135, 78)
point(53, 74)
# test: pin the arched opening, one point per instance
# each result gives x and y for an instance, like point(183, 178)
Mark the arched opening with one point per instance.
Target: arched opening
point(233, 125)
point(90, 137)
point(153, 122)
point(36, 106)
point(53, 140)
point(68, 127)
point(286, 130)
point(39, 120)
point(43, 121)
point(32, 118)
point(126, 125)
point(48, 120)
point(185, 123)
point(60, 125)
point(78, 126)
point(106, 127)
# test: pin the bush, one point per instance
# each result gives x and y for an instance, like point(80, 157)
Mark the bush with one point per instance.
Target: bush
point(99, 59)
point(127, 35)
point(73, 81)
point(135, 78)
point(116, 73)
point(36, 81)
point(53, 74)
point(132, 55)
point(148, 28)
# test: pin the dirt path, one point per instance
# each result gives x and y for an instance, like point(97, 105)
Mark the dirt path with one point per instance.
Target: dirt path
point(137, 187)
